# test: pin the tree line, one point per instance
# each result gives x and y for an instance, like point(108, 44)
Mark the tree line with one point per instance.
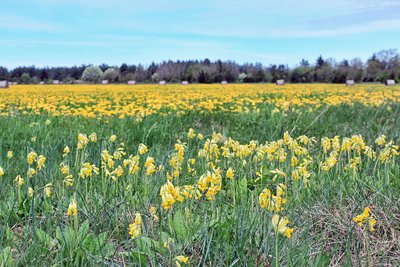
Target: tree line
point(379, 67)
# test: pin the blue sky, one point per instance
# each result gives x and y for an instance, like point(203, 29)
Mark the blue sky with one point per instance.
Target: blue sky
point(74, 32)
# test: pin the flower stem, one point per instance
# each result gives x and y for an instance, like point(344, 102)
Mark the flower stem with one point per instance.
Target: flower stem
point(276, 249)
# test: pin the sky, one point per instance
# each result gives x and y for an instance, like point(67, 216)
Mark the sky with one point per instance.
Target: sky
point(75, 32)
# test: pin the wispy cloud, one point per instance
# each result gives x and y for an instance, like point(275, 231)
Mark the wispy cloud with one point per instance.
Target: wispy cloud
point(15, 22)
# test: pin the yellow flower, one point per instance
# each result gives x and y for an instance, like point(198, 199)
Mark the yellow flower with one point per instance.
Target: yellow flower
point(113, 138)
point(47, 122)
point(1, 171)
point(69, 180)
point(40, 161)
point(72, 208)
point(191, 134)
point(381, 140)
point(47, 189)
point(230, 173)
point(82, 141)
point(66, 151)
point(199, 136)
point(31, 172)
point(280, 226)
point(143, 149)
point(31, 158)
point(365, 217)
point(10, 154)
point(135, 228)
point(153, 212)
point(33, 139)
point(30, 192)
point(149, 161)
point(181, 259)
point(19, 181)
point(93, 137)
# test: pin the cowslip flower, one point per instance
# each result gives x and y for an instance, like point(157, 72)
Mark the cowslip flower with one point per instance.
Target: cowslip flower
point(30, 192)
point(1, 171)
point(82, 141)
point(230, 173)
point(10, 154)
point(19, 181)
point(66, 151)
point(31, 172)
point(135, 228)
point(93, 137)
point(113, 138)
point(181, 259)
point(40, 161)
point(365, 217)
point(280, 226)
point(191, 134)
point(47, 189)
point(143, 149)
point(31, 158)
point(72, 208)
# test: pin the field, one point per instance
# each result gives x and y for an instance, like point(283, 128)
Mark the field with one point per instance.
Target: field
point(200, 175)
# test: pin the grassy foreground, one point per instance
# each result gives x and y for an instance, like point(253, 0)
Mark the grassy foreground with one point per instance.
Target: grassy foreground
point(253, 189)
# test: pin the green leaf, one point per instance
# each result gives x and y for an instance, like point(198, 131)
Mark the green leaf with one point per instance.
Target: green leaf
point(83, 231)
point(44, 238)
point(180, 226)
point(6, 259)
point(140, 258)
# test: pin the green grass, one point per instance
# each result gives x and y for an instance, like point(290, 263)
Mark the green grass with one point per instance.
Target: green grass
point(232, 230)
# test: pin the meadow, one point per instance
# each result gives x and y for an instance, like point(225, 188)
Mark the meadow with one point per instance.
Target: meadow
point(200, 175)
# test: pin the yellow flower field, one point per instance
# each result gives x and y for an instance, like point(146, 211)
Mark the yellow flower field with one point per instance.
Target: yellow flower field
point(200, 175)
point(142, 100)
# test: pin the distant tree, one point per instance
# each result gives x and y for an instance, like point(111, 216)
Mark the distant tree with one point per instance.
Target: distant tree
point(92, 74)
point(25, 78)
point(320, 62)
point(43, 76)
point(242, 77)
point(4, 73)
point(110, 75)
